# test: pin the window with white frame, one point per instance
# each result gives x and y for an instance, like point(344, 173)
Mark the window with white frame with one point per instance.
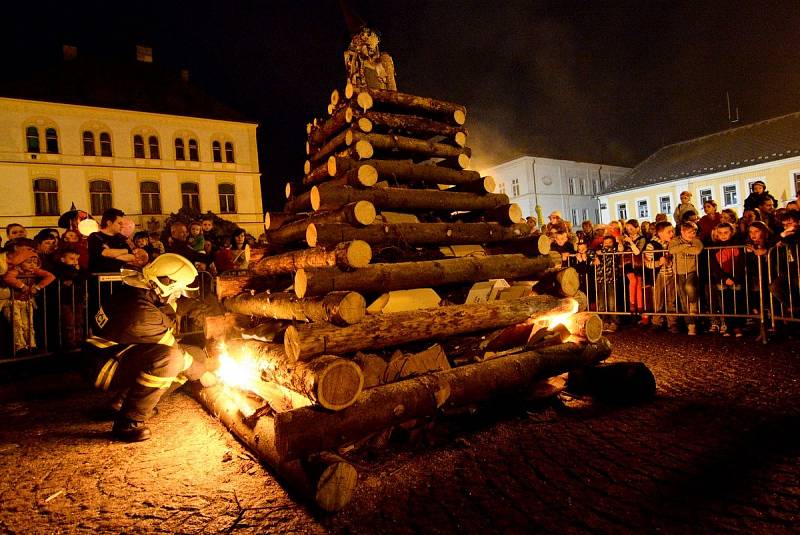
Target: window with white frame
point(642, 210)
point(730, 195)
point(515, 187)
point(705, 194)
point(622, 210)
point(574, 217)
point(501, 187)
point(571, 182)
point(665, 204)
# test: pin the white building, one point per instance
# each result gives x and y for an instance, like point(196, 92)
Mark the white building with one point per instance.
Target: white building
point(128, 136)
point(567, 186)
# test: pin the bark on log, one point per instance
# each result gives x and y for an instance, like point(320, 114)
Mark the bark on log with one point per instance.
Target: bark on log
point(364, 177)
point(460, 162)
point(339, 308)
point(403, 200)
point(486, 184)
point(331, 487)
point(304, 431)
point(303, 342)
point(275, 220)
point(379, 278)
point(338, 121)
point(334, 144)
point(412, 123)
point(418, 234)
point(332, 382)
point(507, 214)
point(585, 325)
point(298, 204)
point(564, 282)
point(386, 142)
point(406, 171)
point(230, 284)
point(455, 113)
point(537, 244)
point(357, 214)
point(347, 255)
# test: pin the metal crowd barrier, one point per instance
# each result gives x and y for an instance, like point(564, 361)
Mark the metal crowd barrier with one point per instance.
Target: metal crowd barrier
point(763, 289)
point(63, 314)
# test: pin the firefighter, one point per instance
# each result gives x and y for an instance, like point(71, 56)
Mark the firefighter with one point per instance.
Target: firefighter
point(135, 352)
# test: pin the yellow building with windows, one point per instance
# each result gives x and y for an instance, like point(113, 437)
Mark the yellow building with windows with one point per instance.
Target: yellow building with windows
point(109, 142)
point(721, 166)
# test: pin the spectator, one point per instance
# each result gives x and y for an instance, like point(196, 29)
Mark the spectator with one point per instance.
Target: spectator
point(606, 277)
point(634, 243)
point(685, 250)
point(72, 280)
point(46, 248)
point(177, 244)
point(531, 221)
point(728, 215)
point(597, 242)
point(758, 192)
point(684, 206)
point(560, 243)
point(586, 233)
point(756, 261)
point(709, 221)
point(785, 285)
point(15, 230)
point(108, 248)
point(766, 210)
point(614, 229)
point(27, 278)
point(658, 261)
point(660, 218)
point(155, 243)
point(793, 205)
point(196, 239)
point(584, 260)
point(141, 241)
point(210, 237)
point(556, 221)
point(646, 228)
point(233, 254)
point(726, 265)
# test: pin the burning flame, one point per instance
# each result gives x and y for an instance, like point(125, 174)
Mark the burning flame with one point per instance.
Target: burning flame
point(240, 372)
point(558, 319)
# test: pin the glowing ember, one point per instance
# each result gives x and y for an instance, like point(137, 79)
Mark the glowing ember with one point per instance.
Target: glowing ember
point(558, 319)
point(241, 372)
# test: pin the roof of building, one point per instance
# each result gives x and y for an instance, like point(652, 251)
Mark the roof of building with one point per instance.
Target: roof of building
point(135, 86)
point(774, 139)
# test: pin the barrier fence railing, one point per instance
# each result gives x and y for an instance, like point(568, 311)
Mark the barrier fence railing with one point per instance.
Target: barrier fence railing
point(60, 316)
point(725, 287)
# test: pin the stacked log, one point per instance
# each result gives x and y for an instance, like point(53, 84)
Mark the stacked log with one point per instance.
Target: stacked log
point(385, 190)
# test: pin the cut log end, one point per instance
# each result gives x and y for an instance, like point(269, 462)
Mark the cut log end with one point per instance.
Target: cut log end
point(463, 161)
point(339, 384)
point(315, 198)
point(364, 212)
point(307, 167)
point(593, 328)
point(569, 281)
point(348, 138)
point(335, 97)
point(460, 117)
point(514, 213)
point(364, 101)
point(335, 486)
point(543, 244)
point(349, 90)
point(300, 288)
point(331, 166)
point(365, 125)
point(359, 254)
point(288, 190)
point(461, 139)
point(367, 176)
point(311, 235)
point(352, 308)
point(348, 115)
point(364, 149)
point(489, 184)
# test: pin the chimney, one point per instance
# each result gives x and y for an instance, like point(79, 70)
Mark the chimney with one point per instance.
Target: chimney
point(70, 52)
point(144, 54)
point(184, 75)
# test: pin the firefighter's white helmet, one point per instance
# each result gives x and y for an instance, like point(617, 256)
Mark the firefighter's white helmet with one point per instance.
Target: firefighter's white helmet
point(170, 274)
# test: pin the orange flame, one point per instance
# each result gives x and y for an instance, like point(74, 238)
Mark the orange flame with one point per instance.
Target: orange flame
point(240, 372)
point(560, 318)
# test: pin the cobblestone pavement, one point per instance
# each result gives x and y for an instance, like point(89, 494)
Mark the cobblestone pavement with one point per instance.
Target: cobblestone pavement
point(716, 451)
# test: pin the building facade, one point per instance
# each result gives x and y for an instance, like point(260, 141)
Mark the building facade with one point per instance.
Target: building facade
point(721, 166)
point(567, 186)
point(147, 164)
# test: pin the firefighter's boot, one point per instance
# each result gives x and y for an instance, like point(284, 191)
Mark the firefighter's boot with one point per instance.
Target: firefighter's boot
point(127, 430)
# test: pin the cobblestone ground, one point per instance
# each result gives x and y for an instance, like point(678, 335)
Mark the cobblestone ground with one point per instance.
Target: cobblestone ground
point(716, 451)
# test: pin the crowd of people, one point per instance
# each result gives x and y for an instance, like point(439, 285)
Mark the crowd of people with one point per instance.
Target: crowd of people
point(31, 266)
point(719, 263)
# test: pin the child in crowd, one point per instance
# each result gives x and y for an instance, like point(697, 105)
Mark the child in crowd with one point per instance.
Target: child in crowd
point(196, 239)
point(726, 276)
point(560, 243)
point(658, 261)
point(683, 207)
point(758, 192)
point(141, 241)
point(155, 244)
point(685, 250)
point(209, 234)
point(606, 278)
point(584, 260)
point(709, 221)
point(785, 285)
point(634, 243)
point(72, 281)
point(26, 278)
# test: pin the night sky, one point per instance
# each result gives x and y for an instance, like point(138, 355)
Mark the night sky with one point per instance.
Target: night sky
point(601, 81)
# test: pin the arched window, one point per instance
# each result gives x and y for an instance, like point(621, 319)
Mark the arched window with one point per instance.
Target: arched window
point(99, 196)
point(88, 144)
point(155, 154)
point(194, 154)
point(45, 194)
point(32, 137)
point(229, 152)
point(190, 196)
point(51, 140)
point(151, 197)
point(227, 199)
point(180, 154)
point(105, 144)
point(138, 146)
point(216, 151)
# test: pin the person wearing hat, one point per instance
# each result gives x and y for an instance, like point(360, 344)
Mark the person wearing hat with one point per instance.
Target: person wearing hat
point(556, 222)
point(135, 352)
point(758, 192)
